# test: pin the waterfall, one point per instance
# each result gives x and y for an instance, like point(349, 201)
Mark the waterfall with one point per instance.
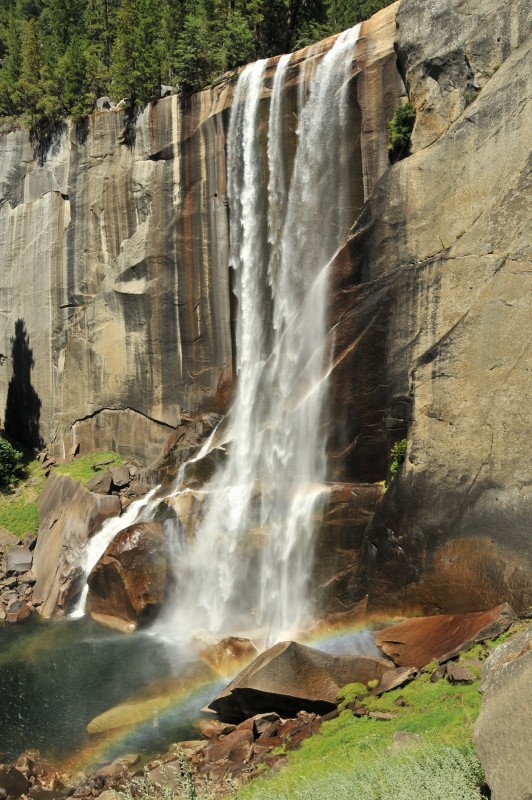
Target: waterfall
point(249, 566)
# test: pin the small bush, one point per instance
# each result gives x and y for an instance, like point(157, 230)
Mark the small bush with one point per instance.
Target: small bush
point(397, 455)
point(10, 463)
point(400, 127)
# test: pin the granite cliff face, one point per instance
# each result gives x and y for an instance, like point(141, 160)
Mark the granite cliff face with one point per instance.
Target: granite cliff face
point(441, 318)
point(114, 249)
point(117, 301)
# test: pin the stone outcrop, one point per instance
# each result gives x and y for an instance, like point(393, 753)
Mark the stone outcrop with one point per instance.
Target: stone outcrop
point(416, 642)
point(128, 583)
point(69, 514)
point(433, 341)
point(291, 677)
point(503, 730)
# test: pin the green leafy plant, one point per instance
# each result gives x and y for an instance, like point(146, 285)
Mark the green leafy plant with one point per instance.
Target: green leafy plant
point(10, 463)
point(400, 128)
point(397, 455)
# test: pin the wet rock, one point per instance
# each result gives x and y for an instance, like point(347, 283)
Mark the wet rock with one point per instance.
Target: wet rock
point(129, 581)
point(503, 730)
point(18, 612)
point(420, 640)
point(212, 728)
point(68, 515)
point(12, 781)
point(290, 677)
point(266, 724)
point(236, 746)
point(227, 655)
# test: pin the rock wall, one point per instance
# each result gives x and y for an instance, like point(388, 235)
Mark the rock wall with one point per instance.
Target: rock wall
point(436, 327)
point(115, 296)
point(117, 307)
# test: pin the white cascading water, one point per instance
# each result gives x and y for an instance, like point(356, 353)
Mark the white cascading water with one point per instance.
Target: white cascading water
point(250, 564)
point(138, 511)
point(248, 568)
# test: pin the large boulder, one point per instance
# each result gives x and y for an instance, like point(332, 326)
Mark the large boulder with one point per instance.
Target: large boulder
point(128, 583)
point(290, 677)
point(418, 641)
point(69, 515)
point(503, 731)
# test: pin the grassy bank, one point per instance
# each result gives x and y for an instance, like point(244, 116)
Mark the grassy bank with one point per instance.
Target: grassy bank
point(358, 757)
point(19, 512)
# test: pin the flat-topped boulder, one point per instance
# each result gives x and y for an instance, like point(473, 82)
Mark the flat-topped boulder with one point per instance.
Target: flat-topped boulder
point(290, 677)
point(418, 641)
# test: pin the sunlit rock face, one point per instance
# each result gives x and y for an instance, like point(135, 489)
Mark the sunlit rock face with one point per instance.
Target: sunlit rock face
point(115, 287)
point(438, 321)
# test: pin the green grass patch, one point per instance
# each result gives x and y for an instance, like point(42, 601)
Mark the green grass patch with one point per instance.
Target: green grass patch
point(19, 513)
point(82, 468)
point(354, 757)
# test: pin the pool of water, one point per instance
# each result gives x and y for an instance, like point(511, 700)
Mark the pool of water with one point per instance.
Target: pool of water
point(56, 677)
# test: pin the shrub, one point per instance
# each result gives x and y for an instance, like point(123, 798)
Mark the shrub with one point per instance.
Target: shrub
point(10, 463)
point(397, 455)
point(400, 127)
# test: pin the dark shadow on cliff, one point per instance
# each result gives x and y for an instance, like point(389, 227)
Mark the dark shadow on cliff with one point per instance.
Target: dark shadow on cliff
point(46, 139)
point(23, 405)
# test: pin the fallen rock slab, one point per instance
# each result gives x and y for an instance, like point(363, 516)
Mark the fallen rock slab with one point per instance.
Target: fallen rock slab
point(416, 642)
point(290, 677)
point(394, 678)
point(503, 730)
point(456, 673)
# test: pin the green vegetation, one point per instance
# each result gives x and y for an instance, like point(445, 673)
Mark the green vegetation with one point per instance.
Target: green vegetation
point(397, 455)
point(400, 127)
point(355, 758)
point(10, 463)
point(19, 513)
point(58, 56)
point(82, 468)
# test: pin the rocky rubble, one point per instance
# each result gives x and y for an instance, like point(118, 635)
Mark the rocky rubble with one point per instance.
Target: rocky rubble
point(226, 755)
point(16, 579)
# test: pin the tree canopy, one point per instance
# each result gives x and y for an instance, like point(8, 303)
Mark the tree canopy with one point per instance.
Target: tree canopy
point(58, 56)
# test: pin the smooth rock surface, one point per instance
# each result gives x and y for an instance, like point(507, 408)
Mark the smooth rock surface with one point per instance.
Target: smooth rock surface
point(114, 257)
point(291, 677)
point(129, 581)
point(418, 641)
point(68, 515)
point(503, 730)
point(434, 305)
